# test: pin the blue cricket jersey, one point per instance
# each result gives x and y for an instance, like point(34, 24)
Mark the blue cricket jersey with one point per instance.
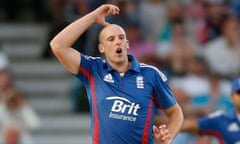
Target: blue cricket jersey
point(123, 107)
point(224, 126)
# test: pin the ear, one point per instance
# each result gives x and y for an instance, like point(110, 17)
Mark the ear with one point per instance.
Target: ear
point(101, 48)
point(128, 44)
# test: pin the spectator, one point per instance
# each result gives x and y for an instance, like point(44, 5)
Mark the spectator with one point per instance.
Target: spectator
point(13, 105)
point(174, 13)
point(11, 135)
point(195, 85)
point(142, 48)
point(152, 15)
point(194, 14)
point(195, 10)
point(219, 90)
point(210, 28)
point(174, 52)
point(14, 109)
point(223, 53)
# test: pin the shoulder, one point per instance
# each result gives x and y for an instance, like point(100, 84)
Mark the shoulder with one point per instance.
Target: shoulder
point(154, 71)
point(91, 59)
point(210, 119)
point(217, 114)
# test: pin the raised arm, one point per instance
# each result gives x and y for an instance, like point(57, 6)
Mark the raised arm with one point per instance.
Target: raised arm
point(166, 133)
point(62, 42)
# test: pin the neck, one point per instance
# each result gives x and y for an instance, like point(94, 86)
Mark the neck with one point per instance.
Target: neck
point(121, 67)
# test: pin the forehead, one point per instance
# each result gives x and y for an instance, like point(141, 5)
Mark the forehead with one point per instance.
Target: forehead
point(111, 30)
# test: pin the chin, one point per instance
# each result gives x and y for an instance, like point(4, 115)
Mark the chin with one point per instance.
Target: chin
point(119, 60)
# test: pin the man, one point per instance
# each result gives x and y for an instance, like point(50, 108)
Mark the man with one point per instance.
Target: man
point(121, 91)
point(224, 126)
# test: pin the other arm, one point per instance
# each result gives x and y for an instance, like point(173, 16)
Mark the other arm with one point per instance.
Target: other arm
point(166, 134)
point(190, 126)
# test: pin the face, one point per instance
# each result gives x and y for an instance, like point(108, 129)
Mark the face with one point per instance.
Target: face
point(236, 100)
point(12, 135)
point(5, 79)
point(231, 27)
point(114, 44)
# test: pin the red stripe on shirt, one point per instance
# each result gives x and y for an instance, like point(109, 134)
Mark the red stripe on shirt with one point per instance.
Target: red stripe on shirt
point(157, 102)
point(214, 133)
point(146, 127)
point(91, 80)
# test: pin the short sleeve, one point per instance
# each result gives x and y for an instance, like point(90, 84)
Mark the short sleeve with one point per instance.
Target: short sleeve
point(163, 94)
point(86, 67)
point(209, 122)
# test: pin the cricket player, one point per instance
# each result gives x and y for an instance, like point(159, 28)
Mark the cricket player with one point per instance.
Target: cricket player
point(123, 94)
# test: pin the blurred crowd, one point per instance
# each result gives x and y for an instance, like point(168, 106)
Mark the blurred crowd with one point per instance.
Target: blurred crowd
point(17, 117)
point(194, 42)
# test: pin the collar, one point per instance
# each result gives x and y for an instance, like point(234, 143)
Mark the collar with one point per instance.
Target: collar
point(233, 115)
point(135, 66)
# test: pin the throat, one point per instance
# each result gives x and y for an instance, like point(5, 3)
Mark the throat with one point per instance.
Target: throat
point(122, 74)
point(122, 68)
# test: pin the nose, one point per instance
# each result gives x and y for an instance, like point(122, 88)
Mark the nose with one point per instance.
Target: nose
point(118, 41)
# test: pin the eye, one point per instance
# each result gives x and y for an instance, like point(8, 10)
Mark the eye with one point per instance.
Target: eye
point(121, 37)
point(110, 38)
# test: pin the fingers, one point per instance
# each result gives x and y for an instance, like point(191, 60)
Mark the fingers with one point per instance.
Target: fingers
point(103, 11)
point(155, 129)
point(165, 134)
point(162, 134)
point(113, 10)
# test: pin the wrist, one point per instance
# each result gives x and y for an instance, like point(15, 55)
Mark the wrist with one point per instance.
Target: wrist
point(93, 16)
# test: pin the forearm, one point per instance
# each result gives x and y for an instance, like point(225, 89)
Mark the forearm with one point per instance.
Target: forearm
point(175, 120)
point(61, 44)
point(68, 36)
point(190, 125)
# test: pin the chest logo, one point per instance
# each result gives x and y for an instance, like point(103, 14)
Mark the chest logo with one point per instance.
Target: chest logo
point(140, 82)
point(108, 78)
point(123, 109)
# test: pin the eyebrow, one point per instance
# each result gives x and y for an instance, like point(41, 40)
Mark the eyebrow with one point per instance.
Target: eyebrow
point(114, 36)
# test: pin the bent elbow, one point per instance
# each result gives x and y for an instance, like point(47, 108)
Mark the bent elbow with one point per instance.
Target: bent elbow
point(53, 45)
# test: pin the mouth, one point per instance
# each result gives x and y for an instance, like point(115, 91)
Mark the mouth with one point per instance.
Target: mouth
point(119, 51)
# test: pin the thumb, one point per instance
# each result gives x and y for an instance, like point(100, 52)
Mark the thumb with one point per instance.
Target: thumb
point(104, 23)
point(155, 129)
